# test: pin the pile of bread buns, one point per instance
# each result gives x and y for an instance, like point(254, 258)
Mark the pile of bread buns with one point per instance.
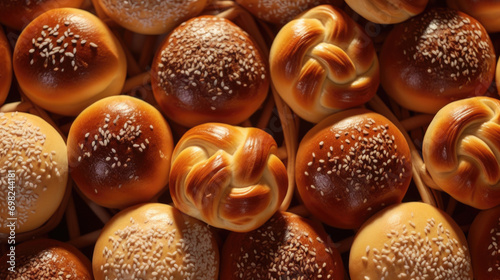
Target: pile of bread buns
point(238, 139)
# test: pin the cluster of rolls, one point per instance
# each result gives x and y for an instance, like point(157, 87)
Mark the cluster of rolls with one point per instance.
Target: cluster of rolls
point(197, 193)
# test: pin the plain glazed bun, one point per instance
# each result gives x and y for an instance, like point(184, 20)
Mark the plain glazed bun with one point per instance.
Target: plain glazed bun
point(387, 11)
point(322, 62)
point(281, 11)
point(350, 165)
point(34, 170)
point(228, 176)
point(155, 241)
point(485, 11)
point(460, 151)
point(151, 16)
point(46, 259)
point(286, 247)
point(119, 151)
point(5, 67)
point(411, 240)
point(437, 57)
point(483, 243)
point(19, 13)
point(66, 59)
point(209, 70)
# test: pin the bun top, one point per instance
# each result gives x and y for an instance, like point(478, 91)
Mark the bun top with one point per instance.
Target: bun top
point(485, 11)
point(387, 11)
point(5, 67)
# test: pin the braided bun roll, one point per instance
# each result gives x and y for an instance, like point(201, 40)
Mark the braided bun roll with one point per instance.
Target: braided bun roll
point(461, 149)
point(228, 176)
point(387, 11)
point(5, 67)
point(322, 62)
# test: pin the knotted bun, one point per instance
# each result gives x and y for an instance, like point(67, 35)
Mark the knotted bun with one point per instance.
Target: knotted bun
point(485, 11)
point(5, 67)
point(227, 176)
point(461, 151)
point(322, 62)
point(387, 11)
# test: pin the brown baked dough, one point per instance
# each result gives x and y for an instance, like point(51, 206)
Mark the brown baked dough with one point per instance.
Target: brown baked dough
point(387, 11)
point(485, 11)
point(5, 67)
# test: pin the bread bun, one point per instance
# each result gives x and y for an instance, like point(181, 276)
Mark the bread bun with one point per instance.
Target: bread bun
point(34, 170)
point(460, 150)
point(19, 13)
point(45, 259)
point(387, 11)
point(485, 11)
point(285, 247)
point(66, 59)
point(209, 70)
point(155, 241)
point(483, 243)
point(437, 57)
point(322, 62)
point(119, 151)
point(5, 67)
point(228, 176)
point(350, 165)
point(411, 240)
point(280, 12)
point(151, 16)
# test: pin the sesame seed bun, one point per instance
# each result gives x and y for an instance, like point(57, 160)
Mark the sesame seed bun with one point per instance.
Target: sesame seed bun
point(286, 247)
point(460, 151)
point(209, 70)
point(485, 11)
point(119, 151)
point(387, 11)
point(411, 240)
point(228, 176)
point(151, 16)
point(19, 13)
point(5, 67)
point(33, 157)
point(483, 236)
point(66, 59)
point(437, 57)
point(155, 241)
point(46, 259)
point(350, 165)
point(322, 62)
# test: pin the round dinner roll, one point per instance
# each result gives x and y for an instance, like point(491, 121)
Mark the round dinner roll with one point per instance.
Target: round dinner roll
point(119, 151)
point(387, 11)
point(483, 243)
point(151, 16)
point(323, 62)
point(437, 57)
point(485, 11)
point(66, 59)
point(350, 165)
point(19, 13)
point(281, 11)
point(285, 247)
point(412, 240)
point(34, 170)
point(5, 67)
point(228, 176)
point(155, 241)
point(45, 259)
point(209, 70)
point(461, 151)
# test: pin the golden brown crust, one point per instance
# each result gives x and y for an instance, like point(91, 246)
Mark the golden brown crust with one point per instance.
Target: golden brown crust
point(34, 162)
point(119, 151)
point(322, 62)
point(209, 70)
point(227, 176)
point(425, 63)
point(408, 241)
point(155, 241)
point(387, 11)
point(285, 247)
point(66, 59)
point(46, 259)
point(460, 151)
point(350, 165)
point(5, 67)
point(485, 11)
point(19, 13)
